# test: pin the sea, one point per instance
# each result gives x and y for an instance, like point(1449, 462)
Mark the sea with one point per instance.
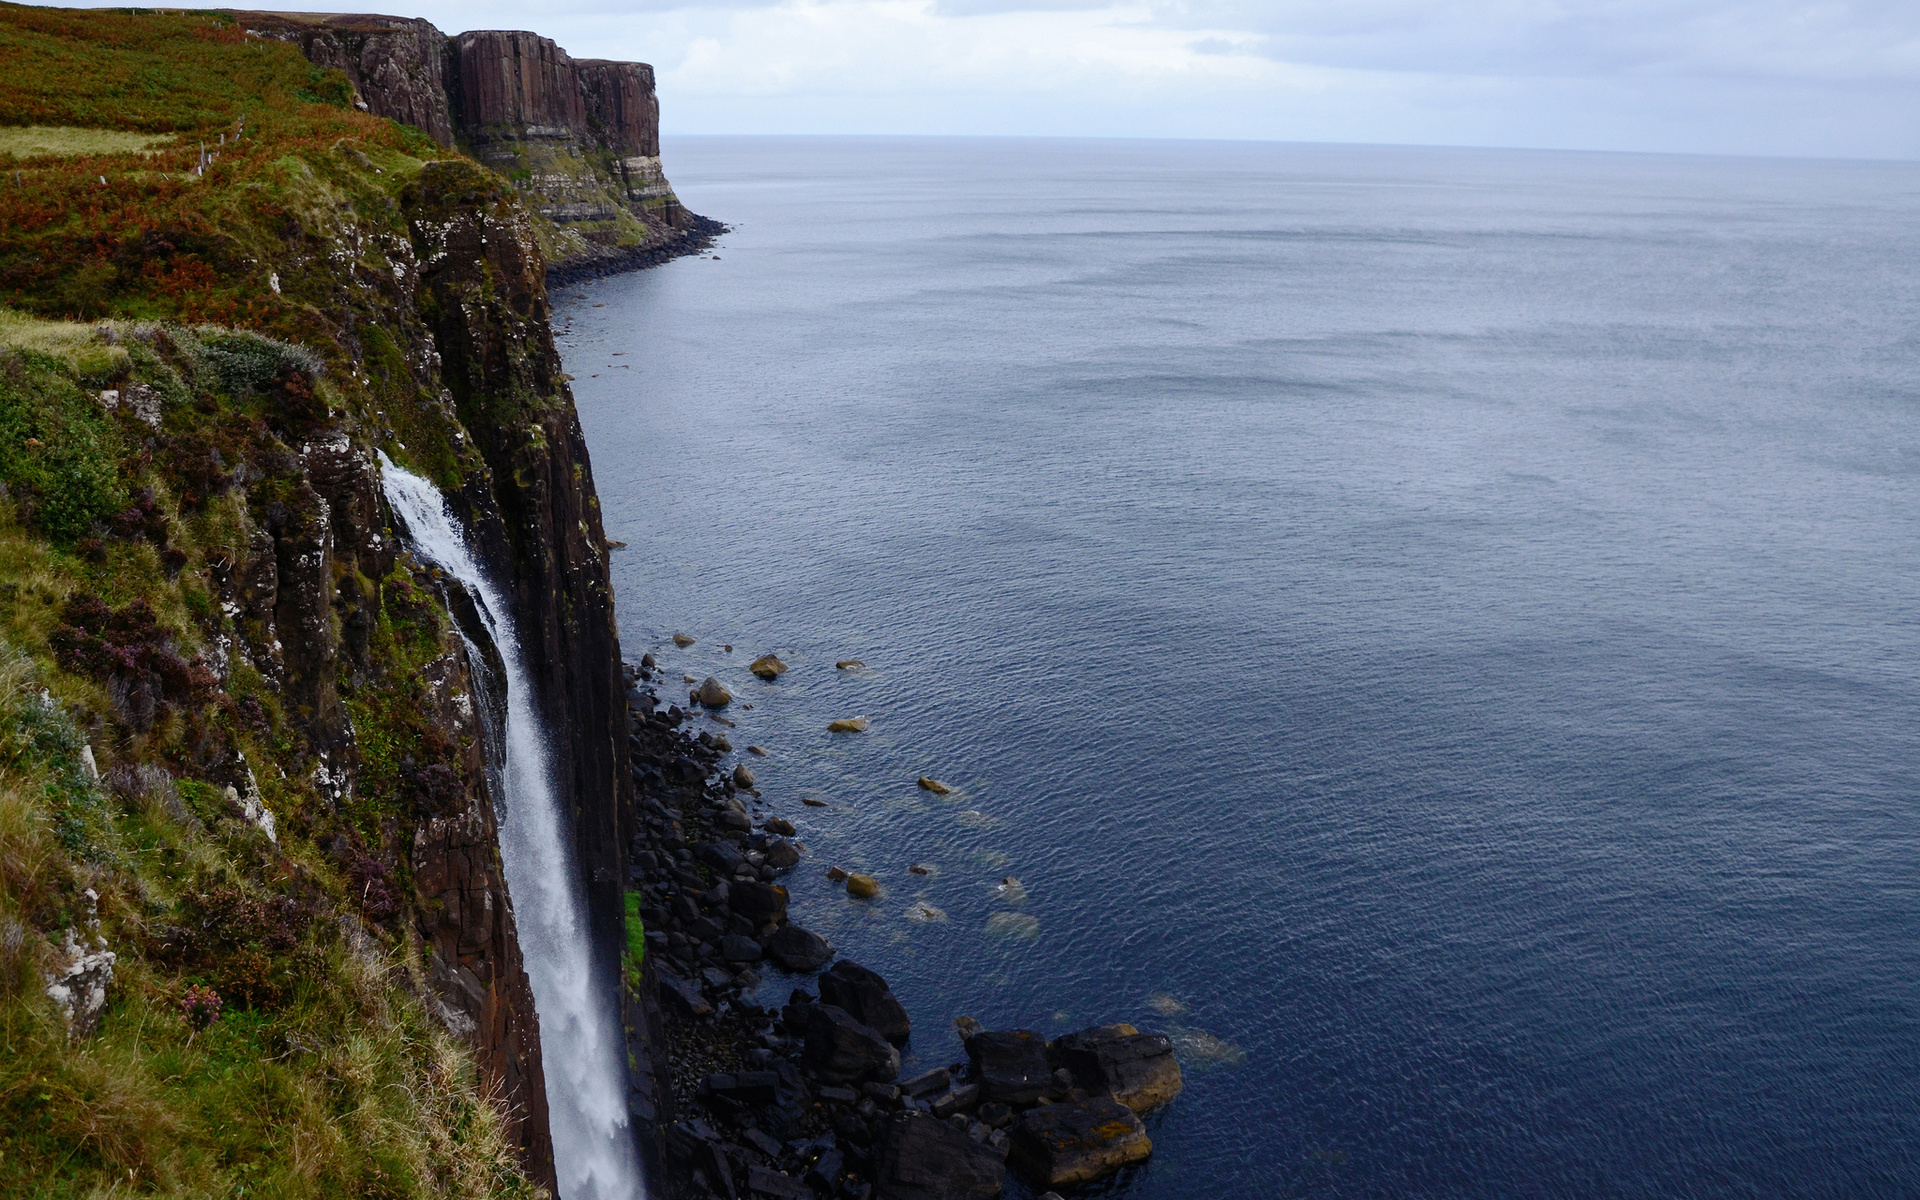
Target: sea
point(1432, 631)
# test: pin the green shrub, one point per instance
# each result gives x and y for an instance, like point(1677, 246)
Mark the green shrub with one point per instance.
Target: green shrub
point(57, 449)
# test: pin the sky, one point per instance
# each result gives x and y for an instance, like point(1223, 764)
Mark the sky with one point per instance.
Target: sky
point(1769, 77)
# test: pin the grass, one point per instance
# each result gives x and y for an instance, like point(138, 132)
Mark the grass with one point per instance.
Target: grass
point(324, 1075)
point(636, 956)
point(66, 141)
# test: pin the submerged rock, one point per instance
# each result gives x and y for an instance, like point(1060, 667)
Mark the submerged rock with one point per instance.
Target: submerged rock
point(1010, 891)
point(767, 667)
point(935, 786)
point(757, 751)
point(849, 725)
point(712, 693)
point(682, 640)
point(810, 802)
point(849, 664)
point(921, 912)
point(1015, 925)
point(1079, 1140)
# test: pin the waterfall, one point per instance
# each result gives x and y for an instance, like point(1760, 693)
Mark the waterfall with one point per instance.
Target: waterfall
point(580, 1040)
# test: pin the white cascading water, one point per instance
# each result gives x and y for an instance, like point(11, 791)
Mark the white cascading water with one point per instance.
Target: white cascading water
point(580, 1042)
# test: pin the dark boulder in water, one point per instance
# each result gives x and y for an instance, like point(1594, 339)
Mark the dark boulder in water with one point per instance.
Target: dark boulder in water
point(866, 995)
point(840, 1049)
point(759, 902)
point(1137, 1069)
point(1079, 1140)
point(921, 1158)
point(799, 950)
point(1010, 1066)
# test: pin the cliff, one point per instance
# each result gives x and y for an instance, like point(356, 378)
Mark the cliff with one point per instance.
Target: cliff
point(244, 768)
point(578, 139)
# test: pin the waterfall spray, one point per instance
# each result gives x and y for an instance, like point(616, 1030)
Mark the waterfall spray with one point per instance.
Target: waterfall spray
point(580, 1041)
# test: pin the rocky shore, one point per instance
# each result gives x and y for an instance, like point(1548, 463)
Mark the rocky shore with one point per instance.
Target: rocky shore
point(807, 1098)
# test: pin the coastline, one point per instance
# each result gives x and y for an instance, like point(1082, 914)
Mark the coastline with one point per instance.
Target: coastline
point(730, 1097)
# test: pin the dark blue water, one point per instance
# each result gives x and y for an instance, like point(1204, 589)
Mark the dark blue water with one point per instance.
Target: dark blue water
point(1435, 630)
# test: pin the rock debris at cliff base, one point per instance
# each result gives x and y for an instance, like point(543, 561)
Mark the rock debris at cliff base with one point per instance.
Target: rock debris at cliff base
point(807, 1099)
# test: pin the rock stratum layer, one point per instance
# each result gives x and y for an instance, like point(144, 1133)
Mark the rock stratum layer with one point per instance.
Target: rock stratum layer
point(579, 139)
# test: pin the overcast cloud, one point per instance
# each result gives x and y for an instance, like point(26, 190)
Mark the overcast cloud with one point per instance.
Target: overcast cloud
point(1757, 77)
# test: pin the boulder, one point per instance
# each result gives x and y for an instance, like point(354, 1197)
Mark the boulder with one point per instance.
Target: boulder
point(781, 826)
point(712, 693)
point(1137, 1069)
point(760, 903)
point(765, 1181)
point(849, 664)
point(742, 778)
point(782, 854)
point(683, 994)
point(737, 949)
point(1011, 1065)
point(721, 856)
point(935, 786)
point(848, 725)
point(767, 667)
point(1077, 1141)
point(840, 1049)
point(867, 996)
point(799, 950)
point(682, 640)
point(921, 1158)
point(862, 887)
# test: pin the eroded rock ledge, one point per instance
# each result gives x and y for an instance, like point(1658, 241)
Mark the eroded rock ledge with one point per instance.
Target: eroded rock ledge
point(579, 139)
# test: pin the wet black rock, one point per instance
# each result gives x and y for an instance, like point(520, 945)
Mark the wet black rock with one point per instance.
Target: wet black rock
point(737, 949)
point(683, 995)
point(921, 1158)
point(1137, 1069)
point(1010, 1066)
point(840, 1049)
point(761, 903)
point(1079, 1140)
point(799, 950)
point(929, 1083)
point(782, 854)
point(866, 995)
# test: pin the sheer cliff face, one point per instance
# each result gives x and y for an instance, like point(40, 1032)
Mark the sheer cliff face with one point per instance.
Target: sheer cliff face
point(579, 139)
point(535, 509)
point(397, 64)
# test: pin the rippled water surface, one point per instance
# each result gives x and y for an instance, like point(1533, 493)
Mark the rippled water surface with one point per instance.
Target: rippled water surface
point(1435, 630)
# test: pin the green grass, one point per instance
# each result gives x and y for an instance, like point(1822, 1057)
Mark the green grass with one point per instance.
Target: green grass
point(636, 955)
point(66, 141)
point(324, 1076)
